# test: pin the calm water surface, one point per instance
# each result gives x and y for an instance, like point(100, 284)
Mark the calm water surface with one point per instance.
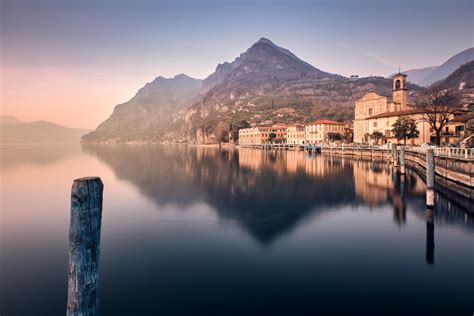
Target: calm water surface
point(198, 231)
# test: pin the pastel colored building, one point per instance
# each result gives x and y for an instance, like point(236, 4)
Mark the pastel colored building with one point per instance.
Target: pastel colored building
point(317, 132)
point(295, 134)
point(375, 113)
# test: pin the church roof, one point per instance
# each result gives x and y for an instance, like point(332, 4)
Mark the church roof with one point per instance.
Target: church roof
point(396, 113)
point(370, 96)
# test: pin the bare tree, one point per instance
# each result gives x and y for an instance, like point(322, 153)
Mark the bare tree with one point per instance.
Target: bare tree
point(437, 109)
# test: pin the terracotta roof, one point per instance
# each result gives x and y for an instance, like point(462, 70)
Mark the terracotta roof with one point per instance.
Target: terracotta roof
point(326, 122)
point(395, 113)
point(462, 117)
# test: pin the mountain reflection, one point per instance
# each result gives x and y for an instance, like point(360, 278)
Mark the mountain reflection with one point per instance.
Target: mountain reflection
point(267, 192)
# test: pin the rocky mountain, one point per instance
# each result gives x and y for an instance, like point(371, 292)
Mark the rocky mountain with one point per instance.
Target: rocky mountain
point(13, 130)
point(428, 76)
point(269, 83)
point(148, 115)
point(265, 83)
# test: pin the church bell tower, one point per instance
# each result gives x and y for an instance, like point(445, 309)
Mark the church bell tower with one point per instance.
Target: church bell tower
point(399, 91)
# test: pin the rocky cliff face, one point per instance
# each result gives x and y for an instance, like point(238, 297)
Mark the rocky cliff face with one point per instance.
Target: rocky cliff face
point(148, 115)
point(265, 83)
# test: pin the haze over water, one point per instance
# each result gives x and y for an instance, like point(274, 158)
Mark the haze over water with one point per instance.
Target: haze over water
point(189, 231)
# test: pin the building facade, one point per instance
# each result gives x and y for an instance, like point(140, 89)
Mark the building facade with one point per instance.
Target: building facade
point(262, 135)
point(318, 131)
point(374, 113)
point(295, 134)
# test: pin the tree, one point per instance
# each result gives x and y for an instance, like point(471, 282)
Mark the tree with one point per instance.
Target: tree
point(332, 137)
point(437, 109)
point(366, 137)
point(405, 128)
point(224, 138)
point(234, 130)
point(376, 136)
point(272, 136)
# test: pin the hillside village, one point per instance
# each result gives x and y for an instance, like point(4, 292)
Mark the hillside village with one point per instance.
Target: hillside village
point(374, 119)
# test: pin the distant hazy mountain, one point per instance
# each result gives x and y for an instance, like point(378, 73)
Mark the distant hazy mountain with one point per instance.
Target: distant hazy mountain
point(148, 115)
point(266, 82)
point(417, 75)
point(9, 119)
point(430, 75)
point(462, 79)
point(449, 67)
point(13, 130)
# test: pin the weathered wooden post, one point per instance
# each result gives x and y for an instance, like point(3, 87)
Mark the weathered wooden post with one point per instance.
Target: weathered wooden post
point(84, 247)
point(402, 160)
point(395, 157)
point(430, 177)
point(392, 152)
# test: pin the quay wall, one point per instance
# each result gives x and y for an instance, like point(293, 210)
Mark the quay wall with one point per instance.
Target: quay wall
point(457, 170)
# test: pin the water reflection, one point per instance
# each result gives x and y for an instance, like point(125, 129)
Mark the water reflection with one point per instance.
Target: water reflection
point(207, 231)
point(266, 192)
point(429, 236)
point(14, 155)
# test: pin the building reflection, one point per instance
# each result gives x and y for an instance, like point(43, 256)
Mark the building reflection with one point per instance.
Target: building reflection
point(399, 198)
point(267, 192)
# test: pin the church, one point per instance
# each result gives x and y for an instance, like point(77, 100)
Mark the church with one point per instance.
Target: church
point(375, 113)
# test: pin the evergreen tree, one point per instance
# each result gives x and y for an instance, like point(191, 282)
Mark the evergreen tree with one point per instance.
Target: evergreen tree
point(405, 128)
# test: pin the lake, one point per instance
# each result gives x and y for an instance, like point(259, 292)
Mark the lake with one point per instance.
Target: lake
point(203, 231)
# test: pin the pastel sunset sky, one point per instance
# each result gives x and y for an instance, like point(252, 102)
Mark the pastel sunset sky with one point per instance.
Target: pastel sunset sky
point(72, 62)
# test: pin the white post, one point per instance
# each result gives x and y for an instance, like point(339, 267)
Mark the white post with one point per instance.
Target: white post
point(430, 177)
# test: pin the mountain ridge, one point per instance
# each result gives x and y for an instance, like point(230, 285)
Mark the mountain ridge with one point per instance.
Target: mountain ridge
point(266, 83)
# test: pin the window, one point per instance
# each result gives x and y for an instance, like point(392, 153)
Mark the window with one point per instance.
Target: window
point(387, 123)
point(370, 111)
point(375, 124)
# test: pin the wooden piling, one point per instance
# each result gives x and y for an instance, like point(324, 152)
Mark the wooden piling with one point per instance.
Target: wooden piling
point(84, 247)
point(395, 156)
point(430, 177)
point(393, 151)
point(402, 160)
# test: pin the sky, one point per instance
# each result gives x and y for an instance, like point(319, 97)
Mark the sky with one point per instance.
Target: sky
point(71, 62)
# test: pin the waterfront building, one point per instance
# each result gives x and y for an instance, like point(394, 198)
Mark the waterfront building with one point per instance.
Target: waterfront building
point(318, 131)
point(295, 134)
point(456, 127)
point(260, 135)
point(250, 136)
point(375, 113)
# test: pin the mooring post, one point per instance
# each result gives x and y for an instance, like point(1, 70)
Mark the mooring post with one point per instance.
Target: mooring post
point(402, 160)
point(392, 153)
point(84, 247)
point(430, 177)
point(395, 157)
